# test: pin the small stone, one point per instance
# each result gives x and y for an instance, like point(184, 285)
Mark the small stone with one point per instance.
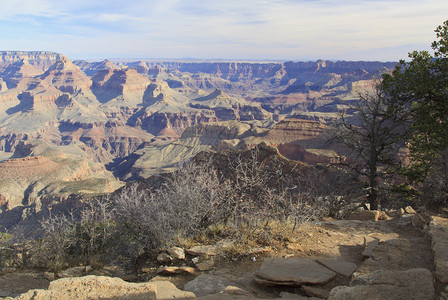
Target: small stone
point(177, 253)
point(205, 265)
point(294, 246)
point(195, 260)
point(409, 210)
point(164, 258)
point(234, 290)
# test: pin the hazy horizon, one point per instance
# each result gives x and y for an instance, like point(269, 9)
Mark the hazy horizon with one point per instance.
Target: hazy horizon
point(275, 30)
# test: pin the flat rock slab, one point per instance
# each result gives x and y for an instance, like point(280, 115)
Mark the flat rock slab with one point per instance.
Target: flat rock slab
point(292, 271)
point(338, 265)
point(175, 270)
point(399, 285)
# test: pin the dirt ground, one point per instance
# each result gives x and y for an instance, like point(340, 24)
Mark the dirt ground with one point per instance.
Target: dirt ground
point(400, 248)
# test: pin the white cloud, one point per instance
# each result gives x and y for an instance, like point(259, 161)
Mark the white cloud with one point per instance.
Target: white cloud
point(292, 29)
point(13, 8)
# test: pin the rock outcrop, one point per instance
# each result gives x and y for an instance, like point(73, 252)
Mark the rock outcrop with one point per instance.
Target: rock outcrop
point(39, 59)
point(439, 243)
point(91, 68)
point(101, 287)
point(66, 77)
point(410, 284)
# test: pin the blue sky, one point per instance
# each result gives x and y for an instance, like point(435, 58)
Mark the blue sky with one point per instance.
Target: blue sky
point(384, 30)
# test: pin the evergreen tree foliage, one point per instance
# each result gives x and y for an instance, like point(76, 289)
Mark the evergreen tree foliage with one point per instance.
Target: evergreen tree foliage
point(422, 85)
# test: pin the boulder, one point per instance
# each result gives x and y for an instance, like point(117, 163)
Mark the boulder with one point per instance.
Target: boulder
point(207, 284)
point(439, 243)
point(164, 258)
point(177, 253)
point(292, 271)
point(384, 284)
point(101, 287)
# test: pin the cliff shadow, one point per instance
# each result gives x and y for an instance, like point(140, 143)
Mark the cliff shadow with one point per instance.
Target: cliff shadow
point(105, 95)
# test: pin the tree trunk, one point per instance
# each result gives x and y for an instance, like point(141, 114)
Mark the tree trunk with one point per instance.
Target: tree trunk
point(372, 197)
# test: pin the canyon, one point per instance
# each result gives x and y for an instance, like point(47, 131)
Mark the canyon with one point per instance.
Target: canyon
point(82, 127)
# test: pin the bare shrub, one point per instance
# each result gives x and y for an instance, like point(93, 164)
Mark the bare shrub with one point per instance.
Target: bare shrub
point(94, 228)
point(186, 204)
point(6, 250)
point(52, 251)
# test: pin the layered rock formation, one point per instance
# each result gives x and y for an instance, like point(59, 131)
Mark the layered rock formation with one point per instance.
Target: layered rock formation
point(139, 118)
point(293, 138)
point(40, 59)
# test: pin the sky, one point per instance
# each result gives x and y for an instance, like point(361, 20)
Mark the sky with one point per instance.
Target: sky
point(298, 30)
